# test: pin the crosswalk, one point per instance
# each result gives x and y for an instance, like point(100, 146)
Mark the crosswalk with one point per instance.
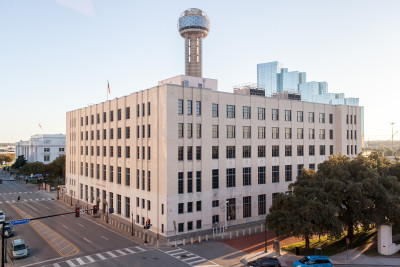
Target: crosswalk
point(26, 200)
point(98, 257)
point(189, 258)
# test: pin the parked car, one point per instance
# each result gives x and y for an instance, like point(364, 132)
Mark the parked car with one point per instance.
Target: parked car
point(314, 261)
point(12, 179)
point(265, 262)
point(19, 249)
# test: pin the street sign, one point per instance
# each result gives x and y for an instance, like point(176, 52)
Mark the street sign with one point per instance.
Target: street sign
point(17, 222)
point(82, 211)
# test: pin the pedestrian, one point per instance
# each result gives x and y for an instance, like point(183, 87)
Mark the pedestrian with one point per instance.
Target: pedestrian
point(18, 198)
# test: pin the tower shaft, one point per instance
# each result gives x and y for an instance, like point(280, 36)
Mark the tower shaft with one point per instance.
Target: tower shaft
point(193, 54)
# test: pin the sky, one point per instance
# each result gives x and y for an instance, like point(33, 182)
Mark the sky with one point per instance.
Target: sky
point(57, 55)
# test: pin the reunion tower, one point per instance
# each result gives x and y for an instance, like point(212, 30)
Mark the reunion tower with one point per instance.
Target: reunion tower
point(193, 25)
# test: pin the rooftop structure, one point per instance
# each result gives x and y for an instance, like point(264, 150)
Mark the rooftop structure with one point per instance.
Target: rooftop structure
point(193, 26)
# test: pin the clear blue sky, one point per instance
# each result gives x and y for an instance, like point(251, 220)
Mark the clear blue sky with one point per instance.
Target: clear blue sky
point(57, 55)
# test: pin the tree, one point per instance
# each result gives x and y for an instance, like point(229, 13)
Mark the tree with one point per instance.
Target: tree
point(57, 167)
point(21, 161)
point(303, 213)
point(33, 168)
point(7, 157)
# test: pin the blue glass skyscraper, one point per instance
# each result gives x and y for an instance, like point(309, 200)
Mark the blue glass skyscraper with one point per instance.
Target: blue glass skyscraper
point(267, 76)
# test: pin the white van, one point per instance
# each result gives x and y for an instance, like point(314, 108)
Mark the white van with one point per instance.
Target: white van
point(18, 249)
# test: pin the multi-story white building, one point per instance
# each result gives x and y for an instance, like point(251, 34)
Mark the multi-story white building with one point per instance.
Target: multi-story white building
point(41, 147)
point(188, 157)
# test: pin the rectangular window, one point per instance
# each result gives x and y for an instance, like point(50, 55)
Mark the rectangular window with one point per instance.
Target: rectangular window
point(215, 219)
point(231, 208)
point(262, 207)
point(288, 115)
point(111, 115)
point(355, 119)
point(189, 153)
point(118, 204)
point(275, 114)
point(148, 130)
point(311, 150)
point(311, 117)
point(119, 114)
point(288, 133)
point(127, 207)
point(198, 205)
point(275, 174)
point(275, 151)
point(288, 173)
point(215, 110)
point(198, 181)
point(143, 110)
point(180, 130)
point(143, 181)
point(230, 131)
point(143, 131)
point(246, 112)
point(311, 133)
point(246, 176)
point(119, 175)
point(127, 113)
point(190, 182)
point(104, 134)
point(300, 133)
point(148, 109)
point(215, 152)
point(127, 176)
point(104, 172)
point(137, 179)
point(246, 132)
point(261, 132)
point(215, 131)
point(190, 226)
point(331, 150)
point(180, 227)
point(299, 169)
point(247, 207)
point(189, 107)
point(180, 153)
point(261, 113)
point(198, 152)
point(275, 133)
point(322, 150)
point(180, 107)
point(111, 133)
point(104, 116)
point(97, 171)
point(261, 175)
point(231, 177)
point(300, 151)
point(148, 181)
point(288, 151)
point(198, 107)
point(127, 132)
point(331, 118)
point(119, 151)
point(215, 203)
point(180, 182)
point(321, 117)
point(311, 166)
point(198, 130)
point(299, 116)
point(189, 130)
point(230, 152)
point(181, 208)
point(321, 133)
point(261, 151)
point(230, 111)
point(111, 174)
point(215, 179)
point(198, 224)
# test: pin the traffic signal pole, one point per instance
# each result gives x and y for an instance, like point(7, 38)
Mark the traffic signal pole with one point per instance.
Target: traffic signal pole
point(3, 248)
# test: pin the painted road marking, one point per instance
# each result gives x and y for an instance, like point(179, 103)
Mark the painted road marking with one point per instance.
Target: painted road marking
point(87, 240)
point(80, 225)
point(192, 261)
point(59, 243)
point(104, 237)
point(99, 257)
point(64, 226)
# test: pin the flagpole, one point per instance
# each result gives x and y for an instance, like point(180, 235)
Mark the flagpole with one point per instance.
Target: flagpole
point(107, 89)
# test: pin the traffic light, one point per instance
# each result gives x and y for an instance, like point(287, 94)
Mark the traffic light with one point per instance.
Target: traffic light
point(95, 208)
point(148, 224)
point(77, 212)
point(45, 180)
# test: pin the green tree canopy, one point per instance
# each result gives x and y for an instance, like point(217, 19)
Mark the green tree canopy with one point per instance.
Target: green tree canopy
point(20, 161)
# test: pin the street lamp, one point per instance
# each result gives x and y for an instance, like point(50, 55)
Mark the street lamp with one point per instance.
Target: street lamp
point(265, 238)
point(226, 211)
point(105, 202)
point(132, 234)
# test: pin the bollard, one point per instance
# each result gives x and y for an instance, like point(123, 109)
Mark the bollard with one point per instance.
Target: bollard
point(175, 244)
point(158, 243)
point(249, 231)
point(199, 239)
point(244, 233)
point(183, 242)
point(237, 234)
point(167, 242)
point(230, 235)
point(191, 240)
point(206, 237)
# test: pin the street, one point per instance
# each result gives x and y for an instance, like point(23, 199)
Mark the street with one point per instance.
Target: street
point(69, 241)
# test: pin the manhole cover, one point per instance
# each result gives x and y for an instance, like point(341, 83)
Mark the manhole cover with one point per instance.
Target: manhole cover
point(184, 256)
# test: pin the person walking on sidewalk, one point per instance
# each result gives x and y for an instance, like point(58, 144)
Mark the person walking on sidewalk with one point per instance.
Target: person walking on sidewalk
point(18, 198)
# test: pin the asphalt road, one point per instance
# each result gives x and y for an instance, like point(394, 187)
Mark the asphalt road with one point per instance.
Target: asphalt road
point(69, 241)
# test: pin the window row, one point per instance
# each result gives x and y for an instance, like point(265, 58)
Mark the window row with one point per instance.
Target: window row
point(119, 114)
point(139, 130)
point(103, 152)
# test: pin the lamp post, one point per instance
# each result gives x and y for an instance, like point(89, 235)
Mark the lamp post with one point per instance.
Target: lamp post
point(70, 191)
point(105, 202)
point(226, 211)
point(132, 234)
